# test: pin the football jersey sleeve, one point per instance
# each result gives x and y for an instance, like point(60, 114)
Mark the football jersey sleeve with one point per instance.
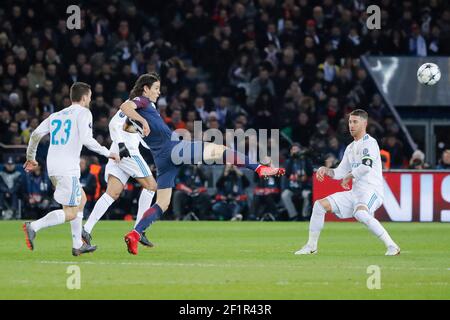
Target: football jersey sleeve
point(369, 155)
point(36, 136)
point(139, 102)
point(116, 127)
point(343, 168)
point(85, 133)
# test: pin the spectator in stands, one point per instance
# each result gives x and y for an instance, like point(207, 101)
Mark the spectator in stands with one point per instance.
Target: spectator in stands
point(297, 183)
point(330, 161)
point(231, 199)
point(417, 42)
point(266, 196)
point(11, 133)
point(260, 83)
point(176, 122)
point(302, 129)
point(335, 148)
point(11, 186)
point(395, 149)
point(39, 193)
point(190, 195)
point(224, 112)
point(385, 159)
point(417, 161)
point(444, 163)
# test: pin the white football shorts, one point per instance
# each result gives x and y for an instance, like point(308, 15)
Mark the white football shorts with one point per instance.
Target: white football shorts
point(67, 190)
point(133, 166)
point(344, 203)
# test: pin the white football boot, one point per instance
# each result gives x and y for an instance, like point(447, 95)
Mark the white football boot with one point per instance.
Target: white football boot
point(307, 249)
point(392, 251)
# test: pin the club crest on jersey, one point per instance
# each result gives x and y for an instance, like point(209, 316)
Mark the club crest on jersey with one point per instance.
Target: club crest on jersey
point(365, 151)
point(122, 115)
point(90, 125)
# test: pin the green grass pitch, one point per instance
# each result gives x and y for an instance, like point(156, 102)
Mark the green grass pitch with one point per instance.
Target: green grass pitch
point(228, 260)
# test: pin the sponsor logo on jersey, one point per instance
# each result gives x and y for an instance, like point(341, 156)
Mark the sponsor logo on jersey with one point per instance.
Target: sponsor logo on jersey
point(365, 151)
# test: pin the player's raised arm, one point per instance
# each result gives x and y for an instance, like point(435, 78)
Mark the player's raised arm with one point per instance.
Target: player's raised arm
point(129, 108)
point(85, 132)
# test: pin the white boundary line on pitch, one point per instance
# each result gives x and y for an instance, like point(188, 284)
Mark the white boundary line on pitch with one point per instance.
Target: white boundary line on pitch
point(212, 265)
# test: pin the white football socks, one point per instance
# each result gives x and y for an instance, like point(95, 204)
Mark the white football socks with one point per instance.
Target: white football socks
point(375, 227)
point(316, 224)
point(75, 226)
point(145, 202)
point(101, 206)
point(52, 218)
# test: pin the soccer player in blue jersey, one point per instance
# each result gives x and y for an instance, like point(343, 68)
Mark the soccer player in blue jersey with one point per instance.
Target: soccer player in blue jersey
point(140, 108)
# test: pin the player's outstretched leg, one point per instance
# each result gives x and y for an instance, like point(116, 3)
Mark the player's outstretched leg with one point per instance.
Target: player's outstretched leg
point(220, 152)
point(362, 215)
point(315, 226)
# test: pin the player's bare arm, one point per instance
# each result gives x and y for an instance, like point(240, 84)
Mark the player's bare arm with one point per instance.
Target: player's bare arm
point(345, 182)
point(129, 108)
point(324, 171)
point(30, 165)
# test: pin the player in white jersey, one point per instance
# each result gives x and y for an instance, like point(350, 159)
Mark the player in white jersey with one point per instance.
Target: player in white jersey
point(361, 164)
point(69, 129)
point(132, 164)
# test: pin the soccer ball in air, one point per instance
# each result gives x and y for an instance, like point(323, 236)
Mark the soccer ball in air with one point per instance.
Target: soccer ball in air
point(428, 74)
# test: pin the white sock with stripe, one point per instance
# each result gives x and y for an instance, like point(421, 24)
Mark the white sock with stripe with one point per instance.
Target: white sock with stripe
point(76, 226)
point(52, 218)
point(101, 206)
point(316, 224)
point(375, 227)
point(145, 202)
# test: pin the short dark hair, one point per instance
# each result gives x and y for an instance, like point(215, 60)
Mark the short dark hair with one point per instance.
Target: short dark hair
point(78, 90)
point(144, 80)
point(360, 112)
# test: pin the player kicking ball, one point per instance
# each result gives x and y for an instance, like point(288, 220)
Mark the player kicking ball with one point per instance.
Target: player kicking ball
point(157, 135)
point(132, 164)
point(69, 129)
point(362, 164)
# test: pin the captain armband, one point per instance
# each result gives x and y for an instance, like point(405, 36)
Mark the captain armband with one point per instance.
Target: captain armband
point(367, 161)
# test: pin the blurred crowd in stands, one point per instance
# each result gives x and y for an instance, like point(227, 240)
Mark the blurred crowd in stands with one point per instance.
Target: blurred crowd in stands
point(292, 65)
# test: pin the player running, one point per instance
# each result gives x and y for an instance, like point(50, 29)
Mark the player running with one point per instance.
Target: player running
point(361, 164)
point(126, 144)
point(141, 108)
point(69, 129)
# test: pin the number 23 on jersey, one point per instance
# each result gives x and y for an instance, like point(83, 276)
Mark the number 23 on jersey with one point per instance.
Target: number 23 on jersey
point(60, 136)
